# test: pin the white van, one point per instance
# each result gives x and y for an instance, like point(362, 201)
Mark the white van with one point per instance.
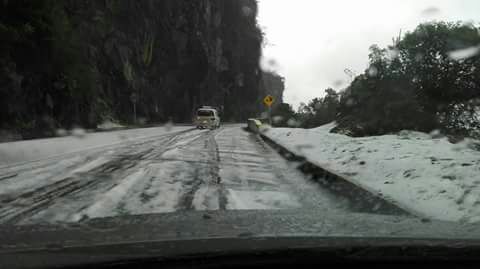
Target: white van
point(207, 117)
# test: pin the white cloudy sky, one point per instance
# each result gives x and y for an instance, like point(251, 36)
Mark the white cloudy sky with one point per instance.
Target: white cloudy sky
point(313, 41)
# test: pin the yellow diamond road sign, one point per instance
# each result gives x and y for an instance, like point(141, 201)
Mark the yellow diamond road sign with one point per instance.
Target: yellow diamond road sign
point(268, 100)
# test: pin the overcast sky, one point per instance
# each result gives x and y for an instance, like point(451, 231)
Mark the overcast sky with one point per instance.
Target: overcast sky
point(312, 42)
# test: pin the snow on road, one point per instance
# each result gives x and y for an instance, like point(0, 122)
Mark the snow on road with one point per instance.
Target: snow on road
point(430, 176)
point(154, 172)
point(247, 164)
point(30, 150)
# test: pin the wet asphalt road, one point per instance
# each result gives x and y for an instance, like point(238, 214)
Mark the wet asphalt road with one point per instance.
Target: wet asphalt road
point(223, 169)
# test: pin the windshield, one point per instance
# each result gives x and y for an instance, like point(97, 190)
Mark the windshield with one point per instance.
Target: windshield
point(339, 118)
point(205, 113)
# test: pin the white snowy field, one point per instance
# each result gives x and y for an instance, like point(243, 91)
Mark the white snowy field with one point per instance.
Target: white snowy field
point(31, 150)
point(429, 176)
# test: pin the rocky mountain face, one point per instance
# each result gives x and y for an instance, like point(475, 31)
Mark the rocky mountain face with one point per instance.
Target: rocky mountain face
point(72, 62)
point(272, 84)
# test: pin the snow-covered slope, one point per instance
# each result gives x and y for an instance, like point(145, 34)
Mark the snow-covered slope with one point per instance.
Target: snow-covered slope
point(430, 176)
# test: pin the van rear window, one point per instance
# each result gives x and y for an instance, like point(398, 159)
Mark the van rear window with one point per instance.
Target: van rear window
point(205, 113)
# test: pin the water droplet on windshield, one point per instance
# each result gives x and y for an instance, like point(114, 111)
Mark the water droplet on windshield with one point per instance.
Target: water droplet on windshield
point(467, 143)
point(469, 23)
point(142, 121)
point(79, 132)
point(372, 71)
point(431, 11)
point(292, 123)
point(247, 11)
point(419, 57)
point(436, 134)
point(169, 125)
point(122, 137)
point(108, 125)
point(272, 63)
point(463, 54)
point(277, 119)
point(393, 53)
point(269, 64)
point(338, 83)
point(61, 132)
point(350, 102)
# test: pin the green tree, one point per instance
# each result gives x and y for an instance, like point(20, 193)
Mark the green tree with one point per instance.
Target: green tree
point(283, 115)
point(417, 83)
point(320, 111)
point(439, 77)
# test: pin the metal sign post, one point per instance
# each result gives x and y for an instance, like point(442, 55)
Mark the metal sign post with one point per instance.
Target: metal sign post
point(134, 99)
point(268, 101)
point(270, 115)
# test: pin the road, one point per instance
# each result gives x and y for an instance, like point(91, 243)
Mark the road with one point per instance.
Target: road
point(223, 169)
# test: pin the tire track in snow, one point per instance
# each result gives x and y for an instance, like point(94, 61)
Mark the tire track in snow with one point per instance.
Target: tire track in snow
point(74, 192)
point(35, 174)
point(39, 199)
point(203, 190)
point(118, 200)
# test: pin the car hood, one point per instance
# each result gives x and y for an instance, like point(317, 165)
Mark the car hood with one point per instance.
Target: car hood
point(21, 244)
